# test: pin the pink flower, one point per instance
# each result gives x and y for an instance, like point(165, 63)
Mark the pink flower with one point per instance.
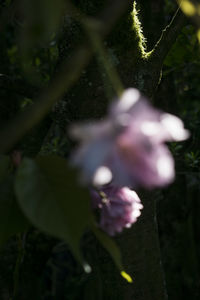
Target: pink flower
point(128, 147)
point(119, 208)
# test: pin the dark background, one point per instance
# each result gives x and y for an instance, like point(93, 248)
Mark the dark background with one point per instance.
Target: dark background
point(29, 57)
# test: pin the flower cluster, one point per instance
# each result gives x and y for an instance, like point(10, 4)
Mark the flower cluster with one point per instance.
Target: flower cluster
point(127, 149)
point(119, 208)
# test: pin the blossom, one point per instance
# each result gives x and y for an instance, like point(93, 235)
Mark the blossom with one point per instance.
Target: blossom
point(128, 146)
point(119, 208)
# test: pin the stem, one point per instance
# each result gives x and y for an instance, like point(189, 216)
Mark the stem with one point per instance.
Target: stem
point(21, 252)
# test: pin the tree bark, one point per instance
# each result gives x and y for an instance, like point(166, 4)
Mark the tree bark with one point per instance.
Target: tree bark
point(141, 255)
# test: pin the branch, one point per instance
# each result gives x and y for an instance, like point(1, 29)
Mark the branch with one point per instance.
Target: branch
point(63, 81)
point(168, 36)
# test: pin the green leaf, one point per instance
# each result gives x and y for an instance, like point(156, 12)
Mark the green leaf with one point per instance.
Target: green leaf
point(50, 197)
point(109, 244)
point(12, 218)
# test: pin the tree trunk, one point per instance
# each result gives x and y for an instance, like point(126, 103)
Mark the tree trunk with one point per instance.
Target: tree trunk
point(141, 256)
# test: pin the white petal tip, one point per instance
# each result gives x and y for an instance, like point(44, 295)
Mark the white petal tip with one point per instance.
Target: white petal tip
point(102, 176)
point(175, 127)
point(165, 167)
point(128, 99)
point(136, 213)
point(87, 268)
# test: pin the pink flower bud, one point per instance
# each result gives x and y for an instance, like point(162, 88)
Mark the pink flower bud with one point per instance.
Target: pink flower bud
point(119, 208)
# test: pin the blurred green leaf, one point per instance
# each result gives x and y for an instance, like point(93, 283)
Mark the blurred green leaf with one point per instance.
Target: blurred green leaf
point(109, 244)
point(50, 197)
point(4, 166)
point(112, 248)
point(42, 20)
point(12, 219)
point(184, 50)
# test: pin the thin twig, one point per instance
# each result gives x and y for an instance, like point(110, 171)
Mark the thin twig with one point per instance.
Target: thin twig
point(168, 36)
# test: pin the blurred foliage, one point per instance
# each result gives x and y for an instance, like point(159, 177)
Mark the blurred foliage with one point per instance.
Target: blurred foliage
point(50, 200)
point(42, 266)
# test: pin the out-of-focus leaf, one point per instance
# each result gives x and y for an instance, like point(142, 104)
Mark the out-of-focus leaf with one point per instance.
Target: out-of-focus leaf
point(109, 244)
point(4, 166)
point(184, 49)
point(187, 7)
point(12, 219)
point(50, 197)
point(41, 19)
